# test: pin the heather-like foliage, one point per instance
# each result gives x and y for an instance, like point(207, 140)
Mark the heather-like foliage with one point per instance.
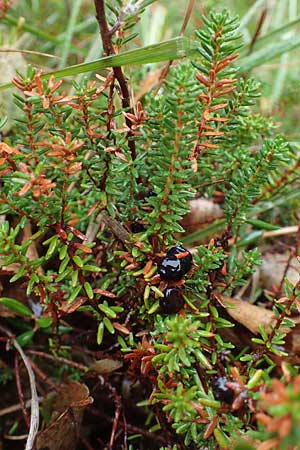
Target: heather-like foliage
point(93, 193)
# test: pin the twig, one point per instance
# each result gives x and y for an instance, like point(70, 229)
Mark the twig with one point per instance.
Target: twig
point(59, 359)
point(293, 229)
point(34, 410)
point(258, 29)
point(114, 427)
point(281, 232)
point(131, 428)
point(13, 408)
point(43, 376)
point(116, 228)
point(106, 35)
point(20, 437)
point(31, 52)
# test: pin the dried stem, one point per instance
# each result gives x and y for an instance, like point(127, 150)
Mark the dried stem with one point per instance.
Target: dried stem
point(20, 392)
point(34, 416)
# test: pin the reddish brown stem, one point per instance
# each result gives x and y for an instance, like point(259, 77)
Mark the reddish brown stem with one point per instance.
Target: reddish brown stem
point(106, 35)
point(43, 376)
point(285, 312)
point(114, 427)
point(59, 359)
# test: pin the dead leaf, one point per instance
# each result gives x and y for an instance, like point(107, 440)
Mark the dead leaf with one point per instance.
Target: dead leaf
point(273, 269)
point(202, 211)
point(105, 365)
point(251, 316)
point(64, 428)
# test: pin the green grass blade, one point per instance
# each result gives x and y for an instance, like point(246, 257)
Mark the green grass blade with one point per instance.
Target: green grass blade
point(9, 19)
point(266, 54)
point(203, 233)
point(274, 35)
point(69, 33)
point(175, 48)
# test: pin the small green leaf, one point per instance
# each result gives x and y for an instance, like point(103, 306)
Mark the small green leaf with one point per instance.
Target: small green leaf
point(16, 306)
point(78, 261)
point(250, 238)
point(25, 338)
point(88, 290)
point(3, 122)
point(107, 311)
point(63, 252)
point(262, 225)
point(51, 248)
point(74, 294)
point(202, 359)
point(63, 264)
point(154, 307)
point(74, 278)
point(100, 333)
point(157, 291)
point(108, 325)
point(254, 380)
point(18, 275)
point(209, 402)
point(221, 438)
point(91, 268)
point(44, 322)
point(183, 356)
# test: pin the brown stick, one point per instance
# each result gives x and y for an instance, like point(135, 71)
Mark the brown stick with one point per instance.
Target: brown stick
point(106, 35)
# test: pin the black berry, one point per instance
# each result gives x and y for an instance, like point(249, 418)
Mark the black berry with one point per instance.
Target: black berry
point(172, 302)
point(172, 268)
point(186, 261)
point(221, 391)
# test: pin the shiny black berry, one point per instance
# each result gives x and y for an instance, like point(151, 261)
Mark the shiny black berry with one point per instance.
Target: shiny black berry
point(172, 302)
point(186, 261)
point(221, 391)
point(172, 268)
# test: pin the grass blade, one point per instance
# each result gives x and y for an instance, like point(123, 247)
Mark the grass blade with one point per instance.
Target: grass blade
point(175, 48)
point(268, 53)
point(69, 33)
point(273, 35)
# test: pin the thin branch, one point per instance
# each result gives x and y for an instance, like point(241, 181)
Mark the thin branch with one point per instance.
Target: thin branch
point(59, 359)
point(116, 228)
point(34, 416)
point(258, 29)
point(13, 408)
point(106, 35)
point(30, 52)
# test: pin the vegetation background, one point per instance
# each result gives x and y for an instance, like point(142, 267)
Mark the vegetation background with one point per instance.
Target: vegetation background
point(73, 351)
